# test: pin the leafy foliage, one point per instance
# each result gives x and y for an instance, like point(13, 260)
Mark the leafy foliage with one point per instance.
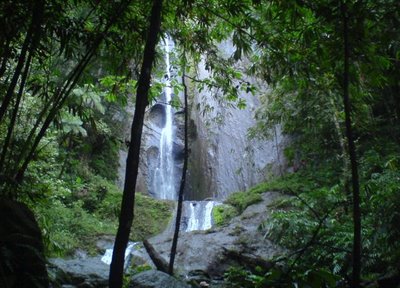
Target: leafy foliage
point(67, 66)
point(279, 277)
point(71, 221)
point(313, 222)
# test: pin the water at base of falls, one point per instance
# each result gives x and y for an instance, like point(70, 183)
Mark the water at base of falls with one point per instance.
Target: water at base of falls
point(107, 257)
point(198, 214)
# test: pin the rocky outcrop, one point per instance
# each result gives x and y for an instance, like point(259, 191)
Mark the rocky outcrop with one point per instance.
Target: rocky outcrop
point(215, 250)
point(155, 279)
point(20, 247)
point(91, 272)
point(202, 256)
point(83, 273)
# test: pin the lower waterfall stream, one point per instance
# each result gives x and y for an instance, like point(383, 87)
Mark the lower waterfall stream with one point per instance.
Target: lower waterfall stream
point(199, 214)
point(107, 257)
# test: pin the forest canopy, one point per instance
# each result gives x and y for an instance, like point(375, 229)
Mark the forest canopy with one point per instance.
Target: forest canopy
point(332, 79)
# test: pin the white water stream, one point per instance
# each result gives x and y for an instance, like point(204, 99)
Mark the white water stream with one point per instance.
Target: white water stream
point(199, 215)
point(164, 182)
point(107, 257)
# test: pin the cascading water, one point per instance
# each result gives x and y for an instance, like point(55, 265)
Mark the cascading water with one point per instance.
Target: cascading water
point(164, 182)
point(107, 257)
point(199, 214)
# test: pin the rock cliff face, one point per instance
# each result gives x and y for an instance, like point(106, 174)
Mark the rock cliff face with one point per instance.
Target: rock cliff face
point(150, 149)
point(222, 158)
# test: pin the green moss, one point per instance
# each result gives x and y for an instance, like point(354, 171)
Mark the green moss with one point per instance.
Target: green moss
point(261, 188)
point(290, 182)
point(68, 224)
point(151, 217)
point(223, 213)
point(241, 200)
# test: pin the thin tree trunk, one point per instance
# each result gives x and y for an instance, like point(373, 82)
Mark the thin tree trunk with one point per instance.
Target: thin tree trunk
point(182, 186)
point(5, 56)
point(157, 259)
point(31, 49)
point(353, 157)
point(33, 28)
point(65, 90)
point(132, 162)
point(345, 157)
point(60, 100)
point(13, 119)
point(54, 104)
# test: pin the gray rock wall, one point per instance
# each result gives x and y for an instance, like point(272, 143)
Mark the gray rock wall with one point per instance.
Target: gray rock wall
point(222, 158)
point(150, 148)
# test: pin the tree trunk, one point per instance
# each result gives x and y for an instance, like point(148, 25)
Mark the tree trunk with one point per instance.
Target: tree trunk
point(59, 101)
point(13, 119)
point(34, 28)
point(5, 57)
point(158, 261)
point(132, 162)
point(353, 157)
point(182, 186)
point(62, 94)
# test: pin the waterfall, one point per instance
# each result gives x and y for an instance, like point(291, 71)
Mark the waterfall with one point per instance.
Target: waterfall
point(107, 257)
point(199, 214)
point(164, 182)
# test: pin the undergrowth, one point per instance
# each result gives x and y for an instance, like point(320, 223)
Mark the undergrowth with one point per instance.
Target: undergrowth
point(75, 219)
point(314, 223)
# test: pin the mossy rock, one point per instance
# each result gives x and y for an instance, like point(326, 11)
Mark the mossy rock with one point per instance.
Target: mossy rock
point(241, 200)
point(151, 217)
point(222, 214)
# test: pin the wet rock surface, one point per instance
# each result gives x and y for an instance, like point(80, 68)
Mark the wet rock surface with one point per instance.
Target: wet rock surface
point(20, 247)
point(82, 273)
point(201, 260)
point(223, 158)
point(214, 250)
point(155, 279)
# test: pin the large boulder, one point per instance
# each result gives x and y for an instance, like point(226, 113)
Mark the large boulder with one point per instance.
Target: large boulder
point(20, 247)
point(83, 273)
point(241, 242)
point(155, 279)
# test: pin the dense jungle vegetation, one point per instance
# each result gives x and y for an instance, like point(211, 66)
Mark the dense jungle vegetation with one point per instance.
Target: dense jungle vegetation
point(68, 69)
